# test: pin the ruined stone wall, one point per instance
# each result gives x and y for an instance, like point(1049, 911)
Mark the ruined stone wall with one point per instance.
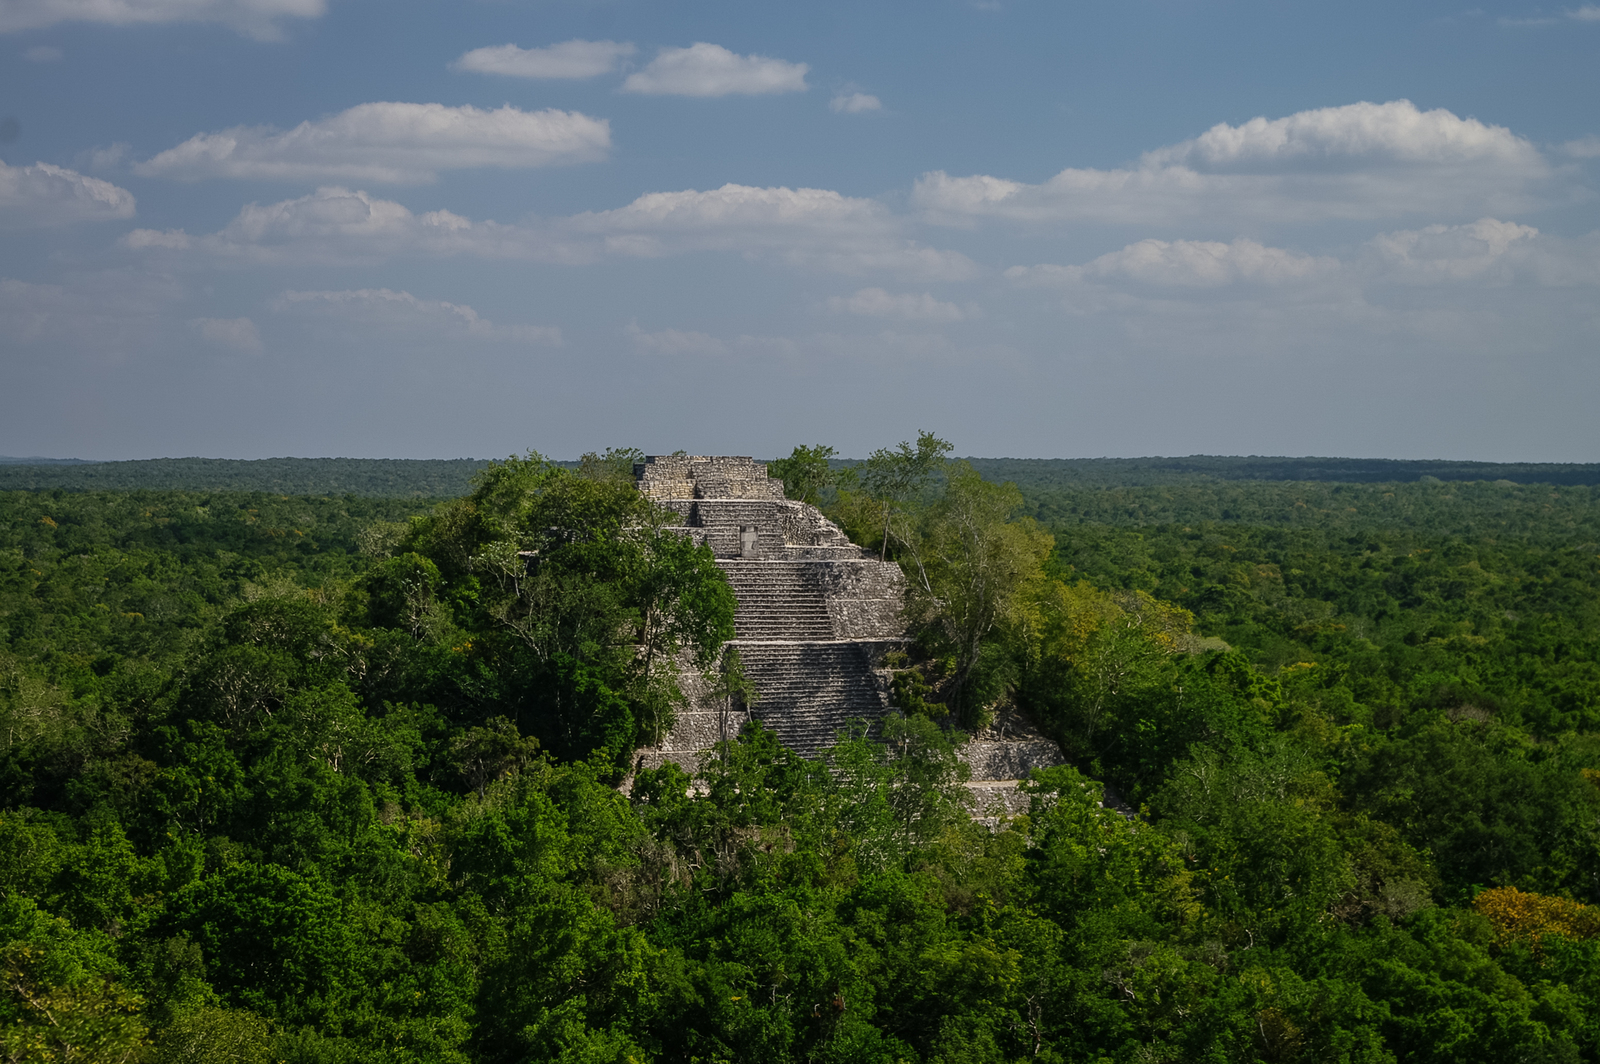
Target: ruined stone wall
point(676, 476)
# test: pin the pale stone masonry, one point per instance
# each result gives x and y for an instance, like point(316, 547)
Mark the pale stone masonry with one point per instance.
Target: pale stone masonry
point(815, 612)
point(815, 615)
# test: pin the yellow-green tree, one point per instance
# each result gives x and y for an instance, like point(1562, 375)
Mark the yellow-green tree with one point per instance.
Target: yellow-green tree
point(1088, 647)
point(974, 570)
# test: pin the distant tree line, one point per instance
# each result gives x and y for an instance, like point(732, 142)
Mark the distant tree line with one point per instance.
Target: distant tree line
point(450, 478)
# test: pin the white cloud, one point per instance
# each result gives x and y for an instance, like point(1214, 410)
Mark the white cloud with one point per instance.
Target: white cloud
point(1360, 161)
point(1354, 135)
point(107, 158)
point(1583, 148)
point(710, 70)
point(1487, 249)
point(877, 303)
point(692, 342)
point(43, 194)
point(257, 18)
point(387, 309)
point(169, 239)
point(331, 211)
point(240, 334)
point(337, 225)
point(570, 59)
point(906, 259)
point(806, 226)
point(735, 207)
point(388, 142)
point(1586, 13)
point(1489, 288)
point(854, 103)
point(44, 53)
point(676, 342)
point(1418, 275)
point(1186, 264)
point(809, 228)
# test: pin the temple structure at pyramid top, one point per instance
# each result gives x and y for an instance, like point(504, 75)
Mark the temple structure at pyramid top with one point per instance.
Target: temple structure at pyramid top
point(688, 476)
point(731, 504)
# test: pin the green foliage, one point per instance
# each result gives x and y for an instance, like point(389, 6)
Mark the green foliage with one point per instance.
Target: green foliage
point(615, 464)
point(207, 1034)
point(273, 941)
point(806, 473)
point(1494, 809)
point(385, 478)
point(973, 573)
point(59, 1000)
point(1212, 474)
point(350, 795)
point(888, 482)
point(567, 598)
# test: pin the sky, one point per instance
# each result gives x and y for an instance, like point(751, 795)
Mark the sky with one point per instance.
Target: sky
point(255, 228)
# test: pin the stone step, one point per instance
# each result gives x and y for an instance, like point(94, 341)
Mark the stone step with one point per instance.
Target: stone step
point(808, 692)
point(778, 600)
point(805, 618)
point(779, 596)
point(797, 606)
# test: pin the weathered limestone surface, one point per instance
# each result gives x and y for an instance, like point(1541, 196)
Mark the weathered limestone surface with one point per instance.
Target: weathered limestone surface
point(815, 612)
point(676, 476)
point(1000, 757)
point(815, 615)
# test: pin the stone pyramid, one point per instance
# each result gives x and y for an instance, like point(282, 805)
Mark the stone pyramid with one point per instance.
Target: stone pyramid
point(815, 612)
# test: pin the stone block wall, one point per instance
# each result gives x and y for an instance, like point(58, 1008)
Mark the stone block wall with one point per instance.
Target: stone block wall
point(676, 476)
point(785, 529)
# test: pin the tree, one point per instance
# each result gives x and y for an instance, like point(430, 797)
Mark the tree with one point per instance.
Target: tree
point(974, 571)
point(58, 1000)
point(493, 752)
point(732, 688)
point(401, 594)
point(580, 588)
point(892, 477)
point(891, 794)
point(273, 941)
point(684, 606)
point(96, 1023)
point(805, 473)
point(1092, 655)
point(614, 464)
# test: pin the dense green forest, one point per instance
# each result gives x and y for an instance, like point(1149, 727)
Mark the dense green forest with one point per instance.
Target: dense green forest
point(334, 777)
point(447, 478)
point(375, 477)
point(1031, 473)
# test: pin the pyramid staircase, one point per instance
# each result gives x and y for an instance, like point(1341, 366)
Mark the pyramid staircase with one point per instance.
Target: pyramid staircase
point(815, 614)
point(809, 692)
point(778, 600)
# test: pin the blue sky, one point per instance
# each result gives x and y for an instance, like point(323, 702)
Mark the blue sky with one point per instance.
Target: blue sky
point(246, 228)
